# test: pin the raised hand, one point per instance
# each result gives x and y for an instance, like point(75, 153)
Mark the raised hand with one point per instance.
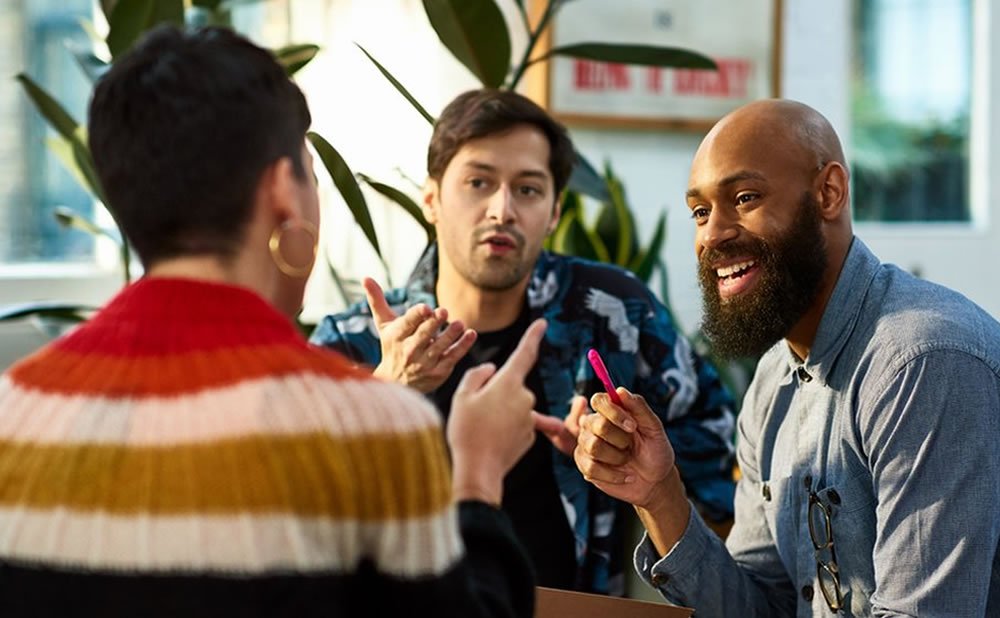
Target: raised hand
point(624, 450)
point(414, 352)
point(490, 426)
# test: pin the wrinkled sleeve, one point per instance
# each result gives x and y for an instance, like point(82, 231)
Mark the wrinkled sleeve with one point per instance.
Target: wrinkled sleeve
point(743, 577)
point(930, 431)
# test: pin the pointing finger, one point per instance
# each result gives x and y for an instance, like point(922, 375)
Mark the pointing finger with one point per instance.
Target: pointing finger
point(376, 301)
point(524, 356)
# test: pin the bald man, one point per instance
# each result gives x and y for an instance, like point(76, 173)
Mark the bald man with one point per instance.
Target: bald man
point(869, 439)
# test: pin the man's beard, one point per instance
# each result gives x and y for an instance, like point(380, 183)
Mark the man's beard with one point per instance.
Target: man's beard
point(791, 270)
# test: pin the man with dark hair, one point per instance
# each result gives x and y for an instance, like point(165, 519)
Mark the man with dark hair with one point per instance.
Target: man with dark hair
point(868, 437)
point(497, 164)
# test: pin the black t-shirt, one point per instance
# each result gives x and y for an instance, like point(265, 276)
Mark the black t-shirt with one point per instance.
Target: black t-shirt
point(530, 495)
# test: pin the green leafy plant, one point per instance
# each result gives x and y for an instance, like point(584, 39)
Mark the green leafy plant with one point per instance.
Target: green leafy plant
point(612, 237)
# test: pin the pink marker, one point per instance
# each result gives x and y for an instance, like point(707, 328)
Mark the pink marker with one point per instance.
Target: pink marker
point(602, 374)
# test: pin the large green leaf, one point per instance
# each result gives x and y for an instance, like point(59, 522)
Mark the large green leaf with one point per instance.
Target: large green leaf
point(649, 55)
point(62, 148)
point(573, 238)
point(585, 179)
point(343, 178)
point(399, 87)
point(475, 32)
point(49, 108)
point(294, 57)
point(643, 263)
point(167, 12)
point(405, 201)
point(128, 19)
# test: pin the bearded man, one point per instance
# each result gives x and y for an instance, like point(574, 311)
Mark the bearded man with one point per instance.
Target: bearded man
point(868, 437)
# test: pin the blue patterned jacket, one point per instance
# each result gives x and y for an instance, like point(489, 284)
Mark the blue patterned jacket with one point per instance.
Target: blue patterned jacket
point(592, 305)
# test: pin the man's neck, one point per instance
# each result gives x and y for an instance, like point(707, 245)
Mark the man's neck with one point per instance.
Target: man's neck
point(481, 310)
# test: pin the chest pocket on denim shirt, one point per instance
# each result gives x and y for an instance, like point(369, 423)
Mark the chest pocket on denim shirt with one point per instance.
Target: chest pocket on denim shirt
point(852, 520)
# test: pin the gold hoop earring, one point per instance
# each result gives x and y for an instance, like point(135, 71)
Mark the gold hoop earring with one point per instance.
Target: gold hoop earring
point(274, 244)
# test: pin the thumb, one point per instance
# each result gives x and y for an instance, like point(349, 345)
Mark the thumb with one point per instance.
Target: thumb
point(555, 430)
point(576, 409)
point(643, 415)
point(549, 425)
point(475, 378)
point(376, 301)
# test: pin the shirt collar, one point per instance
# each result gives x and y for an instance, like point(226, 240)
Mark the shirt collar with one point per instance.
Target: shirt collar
point(841, 314)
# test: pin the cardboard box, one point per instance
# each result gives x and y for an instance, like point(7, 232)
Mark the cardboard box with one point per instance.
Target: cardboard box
point(551, 603)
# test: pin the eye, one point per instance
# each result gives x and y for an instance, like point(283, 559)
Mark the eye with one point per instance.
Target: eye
point(529, 191)
point(700, 214)
point(744, 198)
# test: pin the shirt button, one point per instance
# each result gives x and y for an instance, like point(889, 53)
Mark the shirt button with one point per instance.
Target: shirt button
point(767, 492)
point(660, 579)
point(833, 496)
point(808, 482)
point(807, 593)
point(804, 375)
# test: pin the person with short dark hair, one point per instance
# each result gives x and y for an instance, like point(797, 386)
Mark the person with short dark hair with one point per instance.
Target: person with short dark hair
point(186, 452)
point(868, 438)
point(497, 164)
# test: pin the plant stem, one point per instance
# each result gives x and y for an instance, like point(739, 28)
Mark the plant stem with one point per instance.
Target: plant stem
point(533, 37)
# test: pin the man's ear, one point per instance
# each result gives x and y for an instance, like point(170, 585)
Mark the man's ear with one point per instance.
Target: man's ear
point(832, 190)
point(556, 213)
point(431, 200)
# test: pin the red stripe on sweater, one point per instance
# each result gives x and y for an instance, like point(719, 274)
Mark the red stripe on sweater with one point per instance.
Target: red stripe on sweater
point(57, 370)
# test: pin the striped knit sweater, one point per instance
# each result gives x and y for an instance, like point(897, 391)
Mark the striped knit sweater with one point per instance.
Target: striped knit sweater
point(187, 453)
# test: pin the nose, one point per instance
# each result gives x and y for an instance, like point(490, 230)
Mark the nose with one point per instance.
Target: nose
point(500, 208)
point(720, 228)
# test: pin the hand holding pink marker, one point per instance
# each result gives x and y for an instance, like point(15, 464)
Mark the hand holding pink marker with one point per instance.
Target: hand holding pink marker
point(602, 374)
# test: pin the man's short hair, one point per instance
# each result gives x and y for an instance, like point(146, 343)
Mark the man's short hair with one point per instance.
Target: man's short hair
point(181, 129)
point(481, 113)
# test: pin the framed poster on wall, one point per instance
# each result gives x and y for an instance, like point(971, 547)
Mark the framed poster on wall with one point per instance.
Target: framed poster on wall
point(742, 36)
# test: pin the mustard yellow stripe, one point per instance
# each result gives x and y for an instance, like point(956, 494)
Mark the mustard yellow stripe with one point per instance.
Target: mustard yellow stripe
point(367, 478)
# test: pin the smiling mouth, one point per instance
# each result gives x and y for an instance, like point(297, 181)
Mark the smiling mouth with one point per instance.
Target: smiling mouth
point(735, 271)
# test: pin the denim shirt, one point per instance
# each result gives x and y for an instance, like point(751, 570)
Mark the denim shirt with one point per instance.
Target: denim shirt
point(592, 305)
point(893, 421)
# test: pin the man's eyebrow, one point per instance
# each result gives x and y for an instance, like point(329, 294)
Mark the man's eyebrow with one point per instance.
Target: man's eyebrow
point(728, 180)
point(528, 173)
point(486, 167)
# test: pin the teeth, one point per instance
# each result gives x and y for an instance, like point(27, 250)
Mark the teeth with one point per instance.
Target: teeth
point(735, 268)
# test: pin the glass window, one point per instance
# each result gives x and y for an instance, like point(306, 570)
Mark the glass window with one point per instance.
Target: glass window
point(36, 183)
point(910, 110)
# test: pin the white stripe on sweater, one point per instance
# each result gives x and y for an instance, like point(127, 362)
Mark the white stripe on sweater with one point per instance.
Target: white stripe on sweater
point(288, 405)
point(242, 543)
